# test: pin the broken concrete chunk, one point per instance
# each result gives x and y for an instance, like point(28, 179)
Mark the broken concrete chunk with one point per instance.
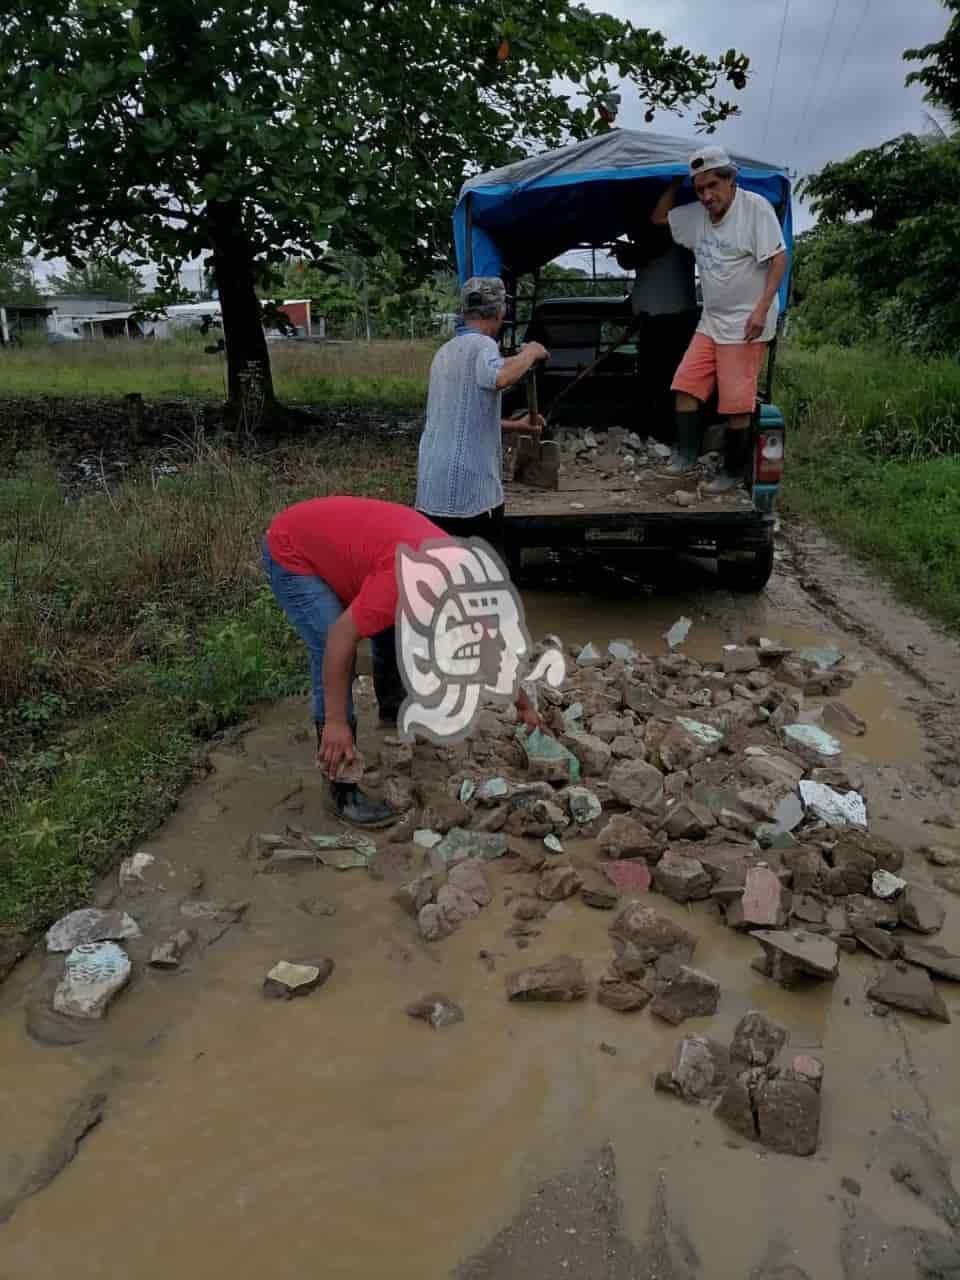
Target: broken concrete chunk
point(624, 995)
point(560, 979)
point(791, 953)
point(811, 744)
point(558, 883)
point(286, 980)
point(650, 934)
point(623, 651)
point(763, 903)
point(493, 790)
point(736, 1109)
point(436, 1009)
point(460, 843)
point(132, 869)
point(469, 876)
point(921, 911)
point(590, 656)
point(426, 838)
point(637, 784)
point(681, 878)
point(94, 973)
point(91, 924)
point(433, 924)
point(822, 658)
point(552, 844)
point(838, 717)
point(690, 821)
point(885, 885)
point(877, 941)
point(593, 753)
point(456, 905)
point(597, 889)
point(396, 756)
point(627, 837)
point(941, 855)
point(906, 987)
point(833, 808)
point(788, 1116)
point(676, 634)
point(949, 880)
point(936, 960)
point(629, 877)
point(167, 955)
point(468, 789)
point(683, 993)
point(739, 658)
point(757, 1040)
point(583, 805)
point(547, 759)
point(700, 1071)
point(770, 768)
point(887, 856)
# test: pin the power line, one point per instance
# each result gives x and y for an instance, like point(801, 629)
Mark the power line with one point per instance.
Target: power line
point(846, 57)
point(776, 69)
point(816, 74)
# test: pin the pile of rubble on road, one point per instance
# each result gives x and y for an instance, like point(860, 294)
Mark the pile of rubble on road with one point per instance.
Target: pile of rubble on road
point(714, 782)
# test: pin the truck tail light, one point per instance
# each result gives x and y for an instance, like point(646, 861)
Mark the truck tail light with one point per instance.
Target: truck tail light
point(768, 467)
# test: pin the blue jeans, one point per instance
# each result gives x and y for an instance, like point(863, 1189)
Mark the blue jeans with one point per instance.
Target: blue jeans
point(313, 607)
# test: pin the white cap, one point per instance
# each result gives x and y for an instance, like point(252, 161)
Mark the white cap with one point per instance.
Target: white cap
point(710, 158)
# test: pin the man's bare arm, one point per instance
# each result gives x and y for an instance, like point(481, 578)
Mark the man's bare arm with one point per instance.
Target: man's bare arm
point(757, 321)
point(668, 199)
point(514, 367)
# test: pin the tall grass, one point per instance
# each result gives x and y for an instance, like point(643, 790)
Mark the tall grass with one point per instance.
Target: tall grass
point(133, 621)
point(873, 456)
point(389, 372)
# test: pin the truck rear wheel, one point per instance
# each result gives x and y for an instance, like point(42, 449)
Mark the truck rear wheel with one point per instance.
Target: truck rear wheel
point(746, 571)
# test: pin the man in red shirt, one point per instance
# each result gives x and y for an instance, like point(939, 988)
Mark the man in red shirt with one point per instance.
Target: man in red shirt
point(332, 566)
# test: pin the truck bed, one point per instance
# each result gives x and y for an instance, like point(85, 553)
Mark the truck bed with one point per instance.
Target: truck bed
point(586, 490)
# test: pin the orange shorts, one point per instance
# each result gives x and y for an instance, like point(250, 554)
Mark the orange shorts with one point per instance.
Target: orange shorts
point(734, 365)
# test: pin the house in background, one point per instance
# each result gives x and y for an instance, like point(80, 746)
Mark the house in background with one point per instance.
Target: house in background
point(18, 319)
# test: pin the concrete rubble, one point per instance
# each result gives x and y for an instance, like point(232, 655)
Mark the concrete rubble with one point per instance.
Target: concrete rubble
point(94, 973)
point(714, 782)
point(560, 979)
point(287, 980)
point(91, 924)
point(909, 987)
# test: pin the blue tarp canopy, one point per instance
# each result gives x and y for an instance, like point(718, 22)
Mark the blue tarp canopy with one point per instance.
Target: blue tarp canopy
point(515, 219)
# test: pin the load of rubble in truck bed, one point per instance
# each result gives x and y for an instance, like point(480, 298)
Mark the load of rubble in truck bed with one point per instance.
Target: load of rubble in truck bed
point(614, 471)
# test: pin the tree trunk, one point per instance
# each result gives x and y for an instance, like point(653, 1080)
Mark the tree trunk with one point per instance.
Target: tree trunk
point(249, 380)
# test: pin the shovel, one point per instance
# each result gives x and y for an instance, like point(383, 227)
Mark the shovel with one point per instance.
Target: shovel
point(538, 459)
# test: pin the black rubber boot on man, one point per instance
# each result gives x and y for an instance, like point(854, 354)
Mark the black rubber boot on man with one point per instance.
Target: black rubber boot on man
point(352, 805)
point(686, 447)
point(736, 447)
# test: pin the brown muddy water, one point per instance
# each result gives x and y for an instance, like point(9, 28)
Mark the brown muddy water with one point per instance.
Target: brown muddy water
point(335, 1137)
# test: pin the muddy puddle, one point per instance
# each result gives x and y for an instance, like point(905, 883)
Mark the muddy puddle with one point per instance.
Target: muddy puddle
point(335, 1137)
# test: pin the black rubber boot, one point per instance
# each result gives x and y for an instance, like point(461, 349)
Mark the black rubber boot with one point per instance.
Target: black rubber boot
point(736, 447)
point(352, 805)
point(686, 447)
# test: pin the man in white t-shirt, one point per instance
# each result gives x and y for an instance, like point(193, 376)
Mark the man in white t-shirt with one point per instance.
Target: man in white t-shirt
point(741, 257)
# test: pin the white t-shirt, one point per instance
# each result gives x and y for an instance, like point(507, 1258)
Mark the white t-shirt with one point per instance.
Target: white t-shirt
point(732, 257)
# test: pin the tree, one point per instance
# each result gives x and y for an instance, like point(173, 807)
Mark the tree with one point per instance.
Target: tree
point(100, 278)
point(257, 129)
point(903, 248)
point(16, 282)
point(941, 78)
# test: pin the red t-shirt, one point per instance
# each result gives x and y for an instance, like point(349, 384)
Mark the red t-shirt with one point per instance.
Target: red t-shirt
point(351, 543)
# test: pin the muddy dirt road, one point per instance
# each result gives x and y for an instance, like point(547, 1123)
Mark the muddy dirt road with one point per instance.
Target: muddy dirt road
point(333, 1136)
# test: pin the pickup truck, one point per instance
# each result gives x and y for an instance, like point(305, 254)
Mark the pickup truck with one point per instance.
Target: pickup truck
point(611, 502)
point(613, 430)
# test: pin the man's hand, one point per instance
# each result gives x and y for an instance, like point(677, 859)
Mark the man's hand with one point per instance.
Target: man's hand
point(535, 351)
point(336, 748)
point(520, 422)
point(756, 322)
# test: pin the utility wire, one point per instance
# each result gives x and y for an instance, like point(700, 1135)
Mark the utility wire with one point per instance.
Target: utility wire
point(816, 74)
point(776, 69)
point(844, 60)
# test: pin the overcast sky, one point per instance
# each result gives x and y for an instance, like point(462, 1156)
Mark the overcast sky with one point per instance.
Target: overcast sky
point(857, 100)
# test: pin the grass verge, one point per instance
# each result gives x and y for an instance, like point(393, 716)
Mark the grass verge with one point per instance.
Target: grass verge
point(389, 373)
point(874, 458)
point(134, 623)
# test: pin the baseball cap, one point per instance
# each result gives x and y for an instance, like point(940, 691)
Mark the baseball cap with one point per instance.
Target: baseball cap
point(710, 158)
point(483, 291)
